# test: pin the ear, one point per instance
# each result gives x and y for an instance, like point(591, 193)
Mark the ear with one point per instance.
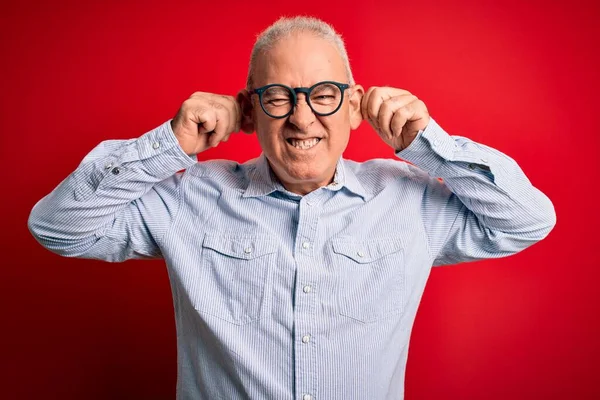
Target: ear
point(357, 93)
point(245, 101)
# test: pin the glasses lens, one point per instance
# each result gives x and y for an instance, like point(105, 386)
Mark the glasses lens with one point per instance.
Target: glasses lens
point(325, 98)
point(277, 101)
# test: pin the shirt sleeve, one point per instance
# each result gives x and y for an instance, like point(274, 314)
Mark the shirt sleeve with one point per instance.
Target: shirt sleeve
point(118, 203)
point(483, 207)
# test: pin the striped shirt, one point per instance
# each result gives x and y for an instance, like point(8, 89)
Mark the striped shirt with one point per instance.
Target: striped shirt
point(283, 296)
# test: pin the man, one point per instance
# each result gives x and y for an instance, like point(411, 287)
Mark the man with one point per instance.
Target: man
point(296, 275)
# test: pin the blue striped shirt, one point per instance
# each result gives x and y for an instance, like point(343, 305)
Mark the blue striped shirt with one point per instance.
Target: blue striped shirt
point(282, 296)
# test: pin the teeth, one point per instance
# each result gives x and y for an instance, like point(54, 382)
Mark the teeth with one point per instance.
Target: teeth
point(304, 144)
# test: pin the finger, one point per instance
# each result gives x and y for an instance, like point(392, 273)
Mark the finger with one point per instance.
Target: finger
point(206, 95)
point(398, 121)
point(385, 114)
point(222, 127)
point(364, 102)
point(235, 112)
point(206, 120)
point(197, 95)
point(399, 124)
point(370, 104)
point(389, 108)
point(226, 138)
point(229, 104)
point(378, 97)
point(202, 142)
point(219, 127)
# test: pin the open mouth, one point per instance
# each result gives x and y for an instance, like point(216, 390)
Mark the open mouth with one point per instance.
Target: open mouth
point(303, 144)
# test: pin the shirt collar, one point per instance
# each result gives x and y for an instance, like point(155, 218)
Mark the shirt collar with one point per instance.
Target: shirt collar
point(263, 181)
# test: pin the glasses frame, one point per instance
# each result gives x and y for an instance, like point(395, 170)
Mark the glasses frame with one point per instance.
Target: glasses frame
point(306, 90)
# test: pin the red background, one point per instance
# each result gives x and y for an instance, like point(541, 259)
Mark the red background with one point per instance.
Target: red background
point(522, 78)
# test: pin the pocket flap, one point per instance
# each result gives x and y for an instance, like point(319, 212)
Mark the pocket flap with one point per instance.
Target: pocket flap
point(368, 250)
point(245, 247)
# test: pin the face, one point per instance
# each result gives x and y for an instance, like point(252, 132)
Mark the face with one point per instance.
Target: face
point(302, 60)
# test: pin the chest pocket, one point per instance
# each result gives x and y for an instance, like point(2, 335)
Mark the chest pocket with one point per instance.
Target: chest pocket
point(372, 278)
point(235, 277)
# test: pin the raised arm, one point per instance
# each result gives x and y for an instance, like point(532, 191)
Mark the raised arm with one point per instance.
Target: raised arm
point(125, 194)
point(485, 207)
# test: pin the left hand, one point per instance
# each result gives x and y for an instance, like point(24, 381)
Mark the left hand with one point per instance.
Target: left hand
point(396, 115)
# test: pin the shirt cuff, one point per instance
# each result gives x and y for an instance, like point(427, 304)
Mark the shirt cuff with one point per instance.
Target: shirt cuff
point(430, 148)
point(160, 152)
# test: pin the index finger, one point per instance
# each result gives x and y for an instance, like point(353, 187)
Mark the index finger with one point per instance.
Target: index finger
point(235, 112)
point(364, 102)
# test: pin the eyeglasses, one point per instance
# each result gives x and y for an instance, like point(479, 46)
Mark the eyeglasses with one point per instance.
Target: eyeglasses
point(323, 98)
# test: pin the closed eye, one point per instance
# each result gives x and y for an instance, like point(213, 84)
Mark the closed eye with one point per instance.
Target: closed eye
point(277, 102)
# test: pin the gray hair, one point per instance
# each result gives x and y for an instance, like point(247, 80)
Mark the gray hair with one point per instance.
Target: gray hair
point(284, 27)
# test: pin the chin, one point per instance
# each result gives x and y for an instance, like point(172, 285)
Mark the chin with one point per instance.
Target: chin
point(303, 174)
point(314, 170)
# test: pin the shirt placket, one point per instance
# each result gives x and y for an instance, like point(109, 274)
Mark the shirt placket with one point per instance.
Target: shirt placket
point(306, 296)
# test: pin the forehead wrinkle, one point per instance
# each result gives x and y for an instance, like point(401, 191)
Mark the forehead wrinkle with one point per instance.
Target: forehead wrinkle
point(302, 66)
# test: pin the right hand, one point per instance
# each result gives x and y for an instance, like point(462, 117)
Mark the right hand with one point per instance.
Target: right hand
point(204, 120)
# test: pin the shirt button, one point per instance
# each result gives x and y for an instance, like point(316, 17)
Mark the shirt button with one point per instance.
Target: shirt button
point(306, 289)
point(471, 166)
point(305, 338)
point(108, 166)
point(248, 250)
point(360, 254)
point(436, 143)
point(305, 245)
point(116, 171)
point(307, 397)
point(155, 145)
point(484, 160)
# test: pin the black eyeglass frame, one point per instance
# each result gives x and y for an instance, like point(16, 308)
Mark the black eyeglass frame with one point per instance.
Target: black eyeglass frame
point(294, 91)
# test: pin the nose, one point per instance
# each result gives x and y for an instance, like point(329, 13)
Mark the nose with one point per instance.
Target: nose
point(302, 116)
